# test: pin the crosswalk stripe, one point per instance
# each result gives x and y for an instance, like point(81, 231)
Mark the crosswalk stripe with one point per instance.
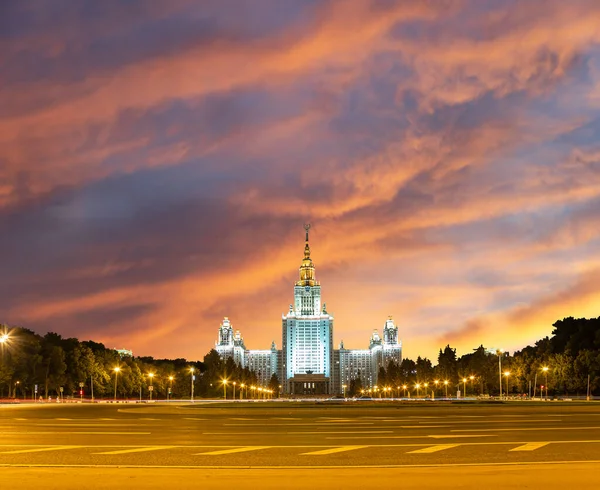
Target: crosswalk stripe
point(62, 419)
point(136, 450)
point(433, 449)
point(231, 451)
point(530, 446)
point(333, 450)
point(39, 450)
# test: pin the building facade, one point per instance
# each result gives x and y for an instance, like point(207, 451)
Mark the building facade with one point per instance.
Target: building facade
point(307, 363)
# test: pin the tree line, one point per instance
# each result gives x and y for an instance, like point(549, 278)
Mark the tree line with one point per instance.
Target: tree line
point(51, 362)
point(561, 363)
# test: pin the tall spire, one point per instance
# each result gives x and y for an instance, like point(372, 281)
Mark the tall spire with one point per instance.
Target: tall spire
point(307, 269)
point(306, 246)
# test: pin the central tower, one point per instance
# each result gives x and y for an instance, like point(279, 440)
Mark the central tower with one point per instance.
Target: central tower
point(307, 334)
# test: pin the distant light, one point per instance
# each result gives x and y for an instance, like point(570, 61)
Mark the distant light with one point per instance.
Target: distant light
point(117, 369)
point(4, 338)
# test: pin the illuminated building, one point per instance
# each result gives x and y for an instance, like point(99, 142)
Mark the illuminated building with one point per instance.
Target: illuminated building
point(307, 363)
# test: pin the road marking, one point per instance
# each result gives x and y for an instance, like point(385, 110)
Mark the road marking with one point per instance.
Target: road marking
point(530, 446)
point(231, 451)
point(449, 436)
point(147, 419)
point(424, 426)
point(21, 433)
point(106, 419)
point(524, 428)
point(307, 467)
point(192, 418)
point(20, 419)
point(286, 418)
point(136, 450)
point(433, 449)
point(452, 436)
point(324, 452)
point(40, 449)
point(296, 433)
point(62, 419)
point(240, 418)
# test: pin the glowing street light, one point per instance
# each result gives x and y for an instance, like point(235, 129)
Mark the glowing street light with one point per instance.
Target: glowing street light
point(4, 338)
point(500, 352)
point(472, 377)
point(242, 386)
point(446, 386)
point(404, 387)
point(418, 385)
point(507, 374)
point(224, 381)
point(116, 370)
point(151, 388)
point(170, 386)
point(545, 369)
point(192, 378)
point(465, 387)
point(234, 383)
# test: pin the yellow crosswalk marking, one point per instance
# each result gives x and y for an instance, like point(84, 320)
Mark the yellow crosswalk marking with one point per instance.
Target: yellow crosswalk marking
point(434, 449)
point(233, 450)
point(136, 450)
point(530, 446)
point(39, 449)
point(323, 452)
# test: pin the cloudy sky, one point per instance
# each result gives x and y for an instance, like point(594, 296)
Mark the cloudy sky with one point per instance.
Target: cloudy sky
point(158, 160)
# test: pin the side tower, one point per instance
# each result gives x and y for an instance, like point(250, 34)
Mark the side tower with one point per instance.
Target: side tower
point(307, 336)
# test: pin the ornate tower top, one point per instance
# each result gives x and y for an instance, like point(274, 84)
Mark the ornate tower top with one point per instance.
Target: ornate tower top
point(307, 269)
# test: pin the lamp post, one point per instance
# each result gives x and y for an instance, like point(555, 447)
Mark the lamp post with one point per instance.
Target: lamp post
point(436, 382)
point(464, 387)
point(170, 387)
point(500, 352)
point(404, 388)
point(507, 374)
point(242, 386)
point(151, 388)
point(344, 391)
point(418, 385)
point(224, 381)
point(545, 369)
point(192, 378)
point(446, 386)
point(234, 383)
point(472, 387)
point(425, 385)
point(116, 370)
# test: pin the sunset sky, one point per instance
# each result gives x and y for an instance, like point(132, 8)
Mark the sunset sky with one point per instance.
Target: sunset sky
point(158, 161)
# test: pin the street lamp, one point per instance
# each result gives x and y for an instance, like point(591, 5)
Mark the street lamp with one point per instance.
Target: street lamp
point(507, 374)
point(404, 388)
point(242, 386)
point(4, 338)
point(234, 383)
point(116, 370)
point(446, 386)
point(170, 387)
point(224, 381)
point(151, 388)
point(344, 391)
point(192, 378)
point(545, 369)
point(418, 385)
point(436, 382)
point(500, 352)
point(472, 387)
point(465, 387)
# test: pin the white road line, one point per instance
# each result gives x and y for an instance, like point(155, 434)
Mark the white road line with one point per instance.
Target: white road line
point(232, 451)
point(433, 449)
point(506, 429)
point(39, 449)
point(192, 418)
point(136, 450)
point(530, 446)
point(25, 433)
point(62, 419)
point(324, 452)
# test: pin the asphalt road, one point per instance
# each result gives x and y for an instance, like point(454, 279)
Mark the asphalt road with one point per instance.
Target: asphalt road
point(286, 445)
